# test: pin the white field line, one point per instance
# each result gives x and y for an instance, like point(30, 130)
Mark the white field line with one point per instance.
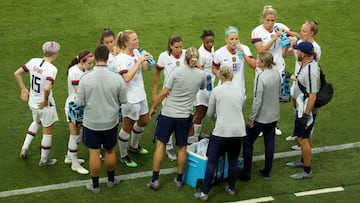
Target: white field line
point(260, 199)
point(319, 191)
point(163, 171)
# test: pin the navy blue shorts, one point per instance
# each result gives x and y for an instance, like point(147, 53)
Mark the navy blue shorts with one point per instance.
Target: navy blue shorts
point(94, 139)
point(303, 132)
point(165, 126)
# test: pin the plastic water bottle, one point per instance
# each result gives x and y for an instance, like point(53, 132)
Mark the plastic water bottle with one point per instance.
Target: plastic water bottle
point(208, 83)
point(151, 61)
point(239, 54)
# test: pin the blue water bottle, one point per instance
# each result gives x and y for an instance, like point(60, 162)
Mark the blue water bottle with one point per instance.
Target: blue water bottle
point(208, 83)
point(150, 61)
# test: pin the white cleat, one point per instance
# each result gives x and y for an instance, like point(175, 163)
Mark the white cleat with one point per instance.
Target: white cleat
point(67, 160)
point(78, 168)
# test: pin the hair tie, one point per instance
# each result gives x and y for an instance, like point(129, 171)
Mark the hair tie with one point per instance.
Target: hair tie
point(230, 31)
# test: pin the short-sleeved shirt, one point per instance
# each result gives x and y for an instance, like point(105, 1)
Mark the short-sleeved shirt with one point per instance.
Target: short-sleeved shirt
point(40, 71)
point(168, 62)
point(101, 92)
point(183, 82)
point(223, 57)
point(309, 77)
point(123, 64)
point(260, 34)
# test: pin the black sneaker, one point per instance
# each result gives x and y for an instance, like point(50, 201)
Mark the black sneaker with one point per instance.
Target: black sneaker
point(264, 174)
point(243, 176)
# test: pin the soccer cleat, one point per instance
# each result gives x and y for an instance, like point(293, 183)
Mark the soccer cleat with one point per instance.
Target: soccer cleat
point(201, 196)
point(128, 162)
point(111, 184)
point(67, 160)
point(296, 147)
point(301, 175)
point(24, 153)
point(79, 169)
point(295, 164)
point(90, 187)
point(138, 150)
point(48, 162)
point(178, 184)
point(261, 134)
point(153, 184)
point(171, 154)
point(277, 131)
point(291, 138)
point(264, 174)
point(229, 191)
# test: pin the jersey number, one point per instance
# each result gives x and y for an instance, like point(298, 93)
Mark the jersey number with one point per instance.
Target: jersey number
point(35, 83)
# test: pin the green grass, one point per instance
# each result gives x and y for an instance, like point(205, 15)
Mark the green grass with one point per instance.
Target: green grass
point(77, 25)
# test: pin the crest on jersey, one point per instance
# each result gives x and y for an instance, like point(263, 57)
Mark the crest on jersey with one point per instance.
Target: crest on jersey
point(177, 63)
point(234, 59)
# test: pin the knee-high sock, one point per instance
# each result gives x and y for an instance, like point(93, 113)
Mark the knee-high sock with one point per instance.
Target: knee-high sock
point(45, 147)
point(72, 148)
point(30, 134)
point(136, 135)
point(123, 140)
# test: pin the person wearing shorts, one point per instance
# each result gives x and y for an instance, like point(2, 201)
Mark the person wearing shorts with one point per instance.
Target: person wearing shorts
point(176, 114)
point(101, 92)
point(41, 101)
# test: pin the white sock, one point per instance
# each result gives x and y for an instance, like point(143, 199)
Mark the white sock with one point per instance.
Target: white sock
point(45, 147)
point(72, 148)
point(169, 144)
point(197, 129)
point(32, 130)
point(136, 135)
point(123, 140)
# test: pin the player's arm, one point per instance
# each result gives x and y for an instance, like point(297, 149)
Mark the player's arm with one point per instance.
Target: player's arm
point(163, 93)
point(47, 88)
point(131, 74)
point(155, 84)
point(24, 95)
point(250, 61)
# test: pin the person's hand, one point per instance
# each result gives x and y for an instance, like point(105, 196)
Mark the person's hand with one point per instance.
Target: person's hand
point(152, 113)
point(303, 120)
point(250, 124)
point(43, 104)
point(24, 95)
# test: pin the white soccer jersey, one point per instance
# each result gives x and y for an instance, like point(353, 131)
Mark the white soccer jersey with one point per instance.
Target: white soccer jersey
point(40, 71)
point(223, 57)
point(260, 34)
point(123, 64)
point(168, 62)
point(206, 59)
point(110, 59)
point(74, 75)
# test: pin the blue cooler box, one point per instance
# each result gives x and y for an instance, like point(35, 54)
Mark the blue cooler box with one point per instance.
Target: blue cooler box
point(195, 169)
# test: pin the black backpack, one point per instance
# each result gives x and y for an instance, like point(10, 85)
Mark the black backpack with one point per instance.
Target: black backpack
point(325, 93)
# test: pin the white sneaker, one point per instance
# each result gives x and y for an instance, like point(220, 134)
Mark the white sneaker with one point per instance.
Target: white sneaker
point(48, 162)
point(301, 175)
point(291, 138)
point(296, 147)
point(171, 154)
point(277, 131)
point(67, 160)
point(78, 168)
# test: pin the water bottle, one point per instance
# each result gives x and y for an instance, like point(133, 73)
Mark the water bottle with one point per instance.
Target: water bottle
point(151, 61)
point(208, 83)
point(239, 54)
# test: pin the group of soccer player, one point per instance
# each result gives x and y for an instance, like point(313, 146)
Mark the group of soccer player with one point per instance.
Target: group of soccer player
point(124, 57)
